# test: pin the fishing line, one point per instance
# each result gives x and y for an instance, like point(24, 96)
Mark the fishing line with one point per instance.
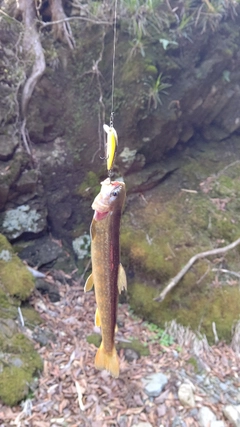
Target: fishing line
point(113, 62)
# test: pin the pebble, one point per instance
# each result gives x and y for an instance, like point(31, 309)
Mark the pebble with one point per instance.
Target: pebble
point(217, 424)
point(232, 413)
point(154, 384)
point(206, 417)
point(185, 395)
point(142, 425)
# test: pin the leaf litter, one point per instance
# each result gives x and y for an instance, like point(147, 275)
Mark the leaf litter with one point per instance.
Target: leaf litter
point(71, 393)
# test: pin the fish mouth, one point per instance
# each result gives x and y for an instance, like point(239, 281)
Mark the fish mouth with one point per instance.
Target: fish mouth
point(101, 203)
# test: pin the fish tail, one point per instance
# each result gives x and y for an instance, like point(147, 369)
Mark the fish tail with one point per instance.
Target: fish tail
point(108, 361)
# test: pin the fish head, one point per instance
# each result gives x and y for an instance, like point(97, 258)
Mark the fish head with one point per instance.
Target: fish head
point(110, 199)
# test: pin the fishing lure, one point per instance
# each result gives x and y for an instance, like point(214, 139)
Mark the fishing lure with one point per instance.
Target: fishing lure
point(111, 146)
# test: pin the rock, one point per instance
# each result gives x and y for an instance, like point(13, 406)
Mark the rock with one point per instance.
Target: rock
point(8, 145)
point(130, 355)
point(214, 133)
point(43, 336)
point(206, 417)
point(42, 252)
point(48, 288)
point(16, 280)
point(217, 424)
point(232, 413)
point(21, 363)
point(4, 190)
point(27, 182)
point(142, 424)
point(185, 394)
point(81, 246)
point(23, 219)
point(154, 384)
point(148, 177)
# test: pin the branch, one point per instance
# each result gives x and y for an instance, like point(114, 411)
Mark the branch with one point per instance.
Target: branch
point(72, 18)
point(189, 264)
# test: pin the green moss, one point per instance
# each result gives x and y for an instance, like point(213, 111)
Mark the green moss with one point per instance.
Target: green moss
point(135, 345)
point(13, 385)
point(193, 362)
point(4, 301)
point(189, 307)
point(94, 339)
point(15, 381)
point(31, 317)
point(4, 244)
point(16, 279)
point(90, 186)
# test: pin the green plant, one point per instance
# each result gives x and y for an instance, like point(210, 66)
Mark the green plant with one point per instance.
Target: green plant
point(137, 46)
point(165, 43)
point(159, 335)
point(155, 87)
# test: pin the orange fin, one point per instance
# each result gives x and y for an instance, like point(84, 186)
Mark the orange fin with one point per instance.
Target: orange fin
point(89, 283)
point(97, 319)
point(122, 279)
point(108, 361)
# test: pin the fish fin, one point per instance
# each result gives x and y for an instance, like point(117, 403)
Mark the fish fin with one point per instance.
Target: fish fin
point(108, 361)
point(89, 283)
point(122, 279)
point(97, 319)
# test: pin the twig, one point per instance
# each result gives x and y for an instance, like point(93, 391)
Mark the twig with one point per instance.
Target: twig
point(223, 270)
point(71, 18)
point(189, 264)
point(214, 329)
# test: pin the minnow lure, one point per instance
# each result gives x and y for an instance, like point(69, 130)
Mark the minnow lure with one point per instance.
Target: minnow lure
point(111, 146)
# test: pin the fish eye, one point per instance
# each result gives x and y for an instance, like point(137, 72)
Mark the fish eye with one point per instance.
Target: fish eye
point(115, 192)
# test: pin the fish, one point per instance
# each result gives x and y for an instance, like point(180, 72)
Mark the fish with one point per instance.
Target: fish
point(111, 147)
point(108, 275)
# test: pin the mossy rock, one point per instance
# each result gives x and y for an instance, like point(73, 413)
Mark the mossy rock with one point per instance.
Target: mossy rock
point(161, 237)
point(31, 317)
point(135, 345)
point(21, 362)
point(16, 279)
point(90, 187)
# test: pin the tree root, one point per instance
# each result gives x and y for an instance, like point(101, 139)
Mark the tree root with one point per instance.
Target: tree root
point(62, 30)
point(189, 264)
point(33, 49)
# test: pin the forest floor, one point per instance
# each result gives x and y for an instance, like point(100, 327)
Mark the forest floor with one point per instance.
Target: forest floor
point(71, 393)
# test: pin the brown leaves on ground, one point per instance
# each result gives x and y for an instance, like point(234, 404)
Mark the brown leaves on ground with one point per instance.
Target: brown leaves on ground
point(72, 393)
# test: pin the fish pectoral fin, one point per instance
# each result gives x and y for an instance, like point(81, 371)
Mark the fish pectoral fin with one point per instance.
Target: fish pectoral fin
point(107, 360)
point(122, 279)
point(89, 283)
point(97, 319)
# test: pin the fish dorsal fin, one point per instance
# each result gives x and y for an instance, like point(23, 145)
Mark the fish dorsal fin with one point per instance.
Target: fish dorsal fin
point(122, 279)
point(97, 319)
point(89, 283)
